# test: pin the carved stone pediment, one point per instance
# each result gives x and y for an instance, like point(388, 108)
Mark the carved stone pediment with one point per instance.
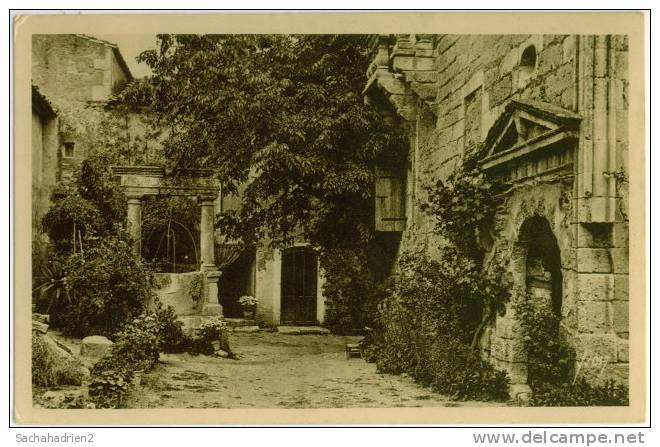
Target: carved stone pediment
point(528, 127)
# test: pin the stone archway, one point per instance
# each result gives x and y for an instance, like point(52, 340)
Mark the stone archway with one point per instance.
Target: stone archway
point(537, 273)
point(140, 181)
point(542, 262)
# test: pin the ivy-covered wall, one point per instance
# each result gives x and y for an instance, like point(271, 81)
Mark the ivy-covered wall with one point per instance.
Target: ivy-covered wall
point(579, 189)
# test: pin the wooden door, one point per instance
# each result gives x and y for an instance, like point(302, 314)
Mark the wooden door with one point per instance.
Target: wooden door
point(299, 273)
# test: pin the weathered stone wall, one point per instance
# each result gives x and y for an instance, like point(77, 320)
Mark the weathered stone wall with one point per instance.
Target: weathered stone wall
point(69, 66)
point(45, 146)
point(185, 292)
point(580, 189)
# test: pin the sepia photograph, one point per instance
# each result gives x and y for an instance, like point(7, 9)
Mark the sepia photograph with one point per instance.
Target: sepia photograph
point(268, 220)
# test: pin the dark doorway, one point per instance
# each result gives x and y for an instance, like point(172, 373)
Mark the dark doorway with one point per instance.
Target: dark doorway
point(299, 272)
point(237, 280)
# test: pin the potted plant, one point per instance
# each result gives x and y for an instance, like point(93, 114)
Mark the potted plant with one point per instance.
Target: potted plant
point(249, 305)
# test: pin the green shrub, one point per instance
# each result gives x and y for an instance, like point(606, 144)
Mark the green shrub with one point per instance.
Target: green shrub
point(43, 363)
point(138, 343)
point(463, 204)
point(580, 394)
point(136, 348)
point(549, 359)
point(171, 335)
point(108, 388)
point(428, 326)
point(48, 370)
point(550, 362)
point(350, 289)
point(105, 287)
point(214, 330)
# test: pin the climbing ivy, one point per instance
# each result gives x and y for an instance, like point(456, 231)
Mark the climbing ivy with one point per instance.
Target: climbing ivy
point(431, 324)
point(463, 204)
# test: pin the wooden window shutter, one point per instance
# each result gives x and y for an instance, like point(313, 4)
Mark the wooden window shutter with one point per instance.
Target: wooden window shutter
point(390, 200)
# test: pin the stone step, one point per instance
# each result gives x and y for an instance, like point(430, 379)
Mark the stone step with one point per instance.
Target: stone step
point(303, 330)
point(244, 328)
point(239, 322)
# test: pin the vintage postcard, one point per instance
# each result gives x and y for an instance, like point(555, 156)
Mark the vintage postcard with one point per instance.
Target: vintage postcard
point(330, 218)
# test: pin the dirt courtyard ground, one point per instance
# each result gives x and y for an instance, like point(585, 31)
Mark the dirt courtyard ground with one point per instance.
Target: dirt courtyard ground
point(280, 371)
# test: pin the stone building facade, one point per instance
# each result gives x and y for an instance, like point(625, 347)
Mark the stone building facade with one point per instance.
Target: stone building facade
point(82, 75)
point(45, 156)
point(550, 113)
point(75, 70)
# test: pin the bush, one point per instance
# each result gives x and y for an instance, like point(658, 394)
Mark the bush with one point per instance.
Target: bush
point(108, 388)
point(580, 394)
point(172, 338)
point(214, 330)
point(549, 359)
point(43, 364)
point(350, 289)
point(138, 343)
point(135, 349)
point(105, 287)
point(550, 362)
point(48, 370)
point(428, 326)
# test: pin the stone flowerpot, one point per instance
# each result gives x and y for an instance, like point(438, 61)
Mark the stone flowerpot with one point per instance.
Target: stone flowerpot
point(248, 314)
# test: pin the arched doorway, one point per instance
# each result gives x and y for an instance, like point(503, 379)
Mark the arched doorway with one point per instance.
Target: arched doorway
point(543, 277)
point(540, 279)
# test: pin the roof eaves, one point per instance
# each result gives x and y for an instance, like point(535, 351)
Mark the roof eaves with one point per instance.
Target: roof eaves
point(41, 104)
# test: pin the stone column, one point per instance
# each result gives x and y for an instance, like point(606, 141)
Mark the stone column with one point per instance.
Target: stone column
point(207, 253)
point(134, 224)
point(207, 234)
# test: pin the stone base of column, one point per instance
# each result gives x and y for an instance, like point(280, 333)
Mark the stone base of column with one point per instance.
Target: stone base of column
point(212, 306)
point(212, 309)
point(210, 268)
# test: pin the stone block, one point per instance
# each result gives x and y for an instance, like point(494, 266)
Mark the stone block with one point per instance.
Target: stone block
point(95, 346)
point(621, 64)
point(39, 327)
point(620, 316)
point(621, 287)
point(623, 354)
point(400, 63)
point(592, 316)
point(42, 318)
point(593, 260)
point(620, 235)
point(517, 372)
point(619, 372)
point(595, 350)
point(424, 91)
point(425, 76)
point(619, 260)
point(521, 393)
point(507, 327)
point(595, 287)
point(508, 350)
point(424, 63)
point(594, 236)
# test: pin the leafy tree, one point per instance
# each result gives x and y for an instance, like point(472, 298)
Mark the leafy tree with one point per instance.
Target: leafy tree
point(283, 116)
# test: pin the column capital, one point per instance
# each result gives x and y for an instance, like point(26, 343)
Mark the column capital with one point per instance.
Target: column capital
point(206, 200)
point(134, 198)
